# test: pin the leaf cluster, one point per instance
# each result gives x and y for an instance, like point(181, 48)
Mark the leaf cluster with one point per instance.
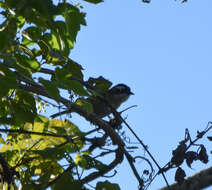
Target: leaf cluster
point(36, 38)
point(183, 153)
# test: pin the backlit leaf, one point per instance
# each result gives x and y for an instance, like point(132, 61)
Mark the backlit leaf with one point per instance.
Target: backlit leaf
point(106, 185)
point(65, 182)
point(51, 89)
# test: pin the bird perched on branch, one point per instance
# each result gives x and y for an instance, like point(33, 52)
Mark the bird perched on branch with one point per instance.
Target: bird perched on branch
point(102, 104)
point(114, 97)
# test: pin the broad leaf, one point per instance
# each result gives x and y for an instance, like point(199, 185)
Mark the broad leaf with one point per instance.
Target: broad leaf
point(106, 185)
point(51, 89)
point(65, 182)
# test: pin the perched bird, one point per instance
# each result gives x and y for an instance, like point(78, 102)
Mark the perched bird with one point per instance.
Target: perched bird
point(113, 97)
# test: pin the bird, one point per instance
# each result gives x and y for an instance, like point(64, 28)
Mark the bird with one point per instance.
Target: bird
point(102, 104)
point(114, 97)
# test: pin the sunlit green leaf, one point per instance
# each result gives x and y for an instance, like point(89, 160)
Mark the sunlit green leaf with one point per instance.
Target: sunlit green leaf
point(20, 21)
point(29, 63)
point(51, 39)
point(32, 33)
point(2, 141)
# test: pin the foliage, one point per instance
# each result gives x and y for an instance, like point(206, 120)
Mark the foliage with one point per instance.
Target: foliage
point(40, 152)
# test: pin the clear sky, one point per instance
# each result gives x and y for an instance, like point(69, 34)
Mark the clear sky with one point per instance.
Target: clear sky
point(162, 50)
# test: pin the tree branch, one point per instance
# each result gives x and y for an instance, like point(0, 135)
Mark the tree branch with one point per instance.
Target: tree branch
point(199, 181)
point(119, 158)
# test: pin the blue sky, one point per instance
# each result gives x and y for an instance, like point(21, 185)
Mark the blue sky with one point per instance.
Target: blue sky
point(162, 50)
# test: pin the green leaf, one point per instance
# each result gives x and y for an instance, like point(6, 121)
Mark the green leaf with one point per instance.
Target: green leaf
point(62, 74)
point(51, 153)
point(3, 40)
point(24, 107)
point(26, 99)
point(2, 141)
point(87, 162)
point(29, 187)
point(88, 106)
point(64, 81)
point(45, 8)
point(20, 21)
point(45, 48)
point(64, 37)
point(7, 80)
point(22, 113)
point(30, 63)
point(44, 179)
point(65, 182)
point(74, 18)
point(32, 33)
point(51, 89)
point(94, 1)
point(100, 83)
point(74, 68)
point(51, 39)
point(80, 160)
point(77, 87)
point(106, 185)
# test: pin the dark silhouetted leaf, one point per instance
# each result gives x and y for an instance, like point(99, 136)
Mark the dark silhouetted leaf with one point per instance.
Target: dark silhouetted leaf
point(106, 185)
point(190, 156)
point(180, 175)
point(179, 154)
point(146, 1)
point(203, 156)
point(200, 134)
